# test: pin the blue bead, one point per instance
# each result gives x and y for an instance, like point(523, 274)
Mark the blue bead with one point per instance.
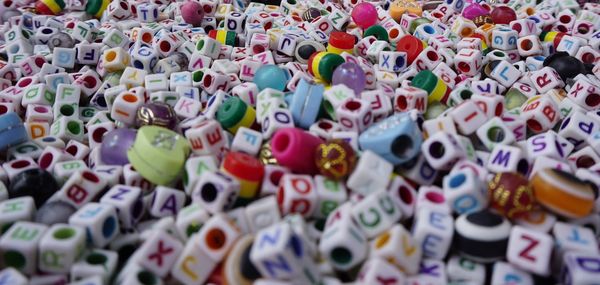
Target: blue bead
point(12, 131)
point(397, 139)
point(306, 103)
point(271, 76)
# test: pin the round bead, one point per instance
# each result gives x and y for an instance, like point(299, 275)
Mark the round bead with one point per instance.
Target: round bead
point(335, 159)
point(563, 193)
point(340, 42)
point(565, 65)
point(364, 15)
point(311, 14)
point(36, 183)
point(113, 150)
point(511, 195)
point(378, 32)
point(482, 236)
point(503, 15)
point(412, 46)
point(61, 40)
point(192, 13)
point(224, 37)
point(156, 114)
point(238, 268)
point(351, 75)
point(414, 24)
point(54, 212)
point(327, 65)
point(474, 10)
point(158, 154)
point(235, 113)
point(271, 76)
point(287, 143)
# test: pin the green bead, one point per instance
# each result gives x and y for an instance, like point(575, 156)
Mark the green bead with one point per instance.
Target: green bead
point(378, 32)
point(416, 23)
point(93, 6)
point(231, 112)
point(514, 99)
point(328, 64)
point(425, 80)
point(158, 154)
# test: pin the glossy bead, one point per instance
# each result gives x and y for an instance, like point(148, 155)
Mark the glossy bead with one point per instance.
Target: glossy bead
point(224, 37)
point(36, 182)
point(115, 144)
point(378, 32)
point(474, 10)
point(364, 15)
point(235, 113)
point(340, 42)
point(158, 154)
point(12, 131)
point(54, 212)
point(266, 155)
point(271, 76)
point(436, 88)
point(288, 143)
point(192, 13)
point(511, 195)
point(412, 46)
point(156, 114)
point(335, 159)
point(482, 20)
point(565, 65)
point(247, 170)
point(351, 75)
point(96, 7)
point(563, 193)
point(482, 236)
point(311, 14)
point(49, 7)
point(323, 64)
point(503, 15)
point(61, 39)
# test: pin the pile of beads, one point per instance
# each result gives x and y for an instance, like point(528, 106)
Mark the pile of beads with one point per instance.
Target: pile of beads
point(299, 142)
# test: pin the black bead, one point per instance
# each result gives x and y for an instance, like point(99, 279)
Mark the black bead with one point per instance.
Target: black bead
point(36, 183)
point(565, 65)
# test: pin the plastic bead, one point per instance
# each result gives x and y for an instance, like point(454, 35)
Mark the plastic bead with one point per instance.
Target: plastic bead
point(36, 183)
point(305, 104)
point(563, 193)
point(437, 90)
point(482, 236)
point(12, 131)
point(351, 75)
point(235, 113)
point(271, 76)
point(364, 15)
point(335, 159)
point(396, 139)
point(156, 114)
point(412, 46)
point(511, 195)
point(192, 13)
point(247, 170)
point(503, 15)
point(323, 64)
point(115, 144)
point(288, 142)
point(340, 42)
point(167, 149)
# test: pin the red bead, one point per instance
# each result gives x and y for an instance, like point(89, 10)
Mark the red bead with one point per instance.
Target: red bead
point(503, 15)
point(243, 166)
point(411, 45)
point(511, 195)
point(341, 40)
point(335, 159)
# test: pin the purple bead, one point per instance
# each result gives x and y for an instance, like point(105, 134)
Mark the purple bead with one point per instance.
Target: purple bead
point(192, 13)
point(156, 114)
point(474, 10)
point(115, 145)
point(351, 75)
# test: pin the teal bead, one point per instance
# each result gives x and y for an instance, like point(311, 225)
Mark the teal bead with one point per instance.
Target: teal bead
point(271, 76)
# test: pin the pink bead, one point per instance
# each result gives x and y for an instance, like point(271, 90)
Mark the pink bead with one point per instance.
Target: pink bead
point(364, 15)
point(295, 149)
point(192, 13)
point(474, 10)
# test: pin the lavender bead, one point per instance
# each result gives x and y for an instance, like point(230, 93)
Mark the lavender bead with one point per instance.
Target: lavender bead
point(351, 75)
point(115, 144)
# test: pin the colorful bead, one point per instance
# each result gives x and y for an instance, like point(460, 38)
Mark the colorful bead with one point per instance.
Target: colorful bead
point(271, 76)
point(310, 14)
point(378, 32)
point(340, 42)
point(563, 193)
point(482, 236)
point(49, 7)
point(158, 154)
point(288, 145)
point(437, 90)
point(115, 144)
point(412, 46)
point(247, 170)
point(225, 37)
point(12, 131)
point(351, 75)
point(399, 7)
point(474, 10)
point(323, 64)
point(364, 15)
point(156, 114)
point(235, 113)
point(511, 195)
point(335, 159)
point(192, 13)
point(397, 139)
point(503, 15)
point(96, 7)
point(305, 103)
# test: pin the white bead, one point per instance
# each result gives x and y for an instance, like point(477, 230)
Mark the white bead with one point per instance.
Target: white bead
point(343, 244)
point(100, 222)
point(460, 268)
point(397, 246)
point(262, 213)
point(378, 270)
point(503, 271)
point(166, 202)
point(158, 253)
point(580, 268)
point(215, 191)
point(506, 158)
point(433, 232)
point(376, 213)
point(97, 264)
point(370, 174)
point(465, 192)
point(60, 247)
point(14, 241)
point(530, 250)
